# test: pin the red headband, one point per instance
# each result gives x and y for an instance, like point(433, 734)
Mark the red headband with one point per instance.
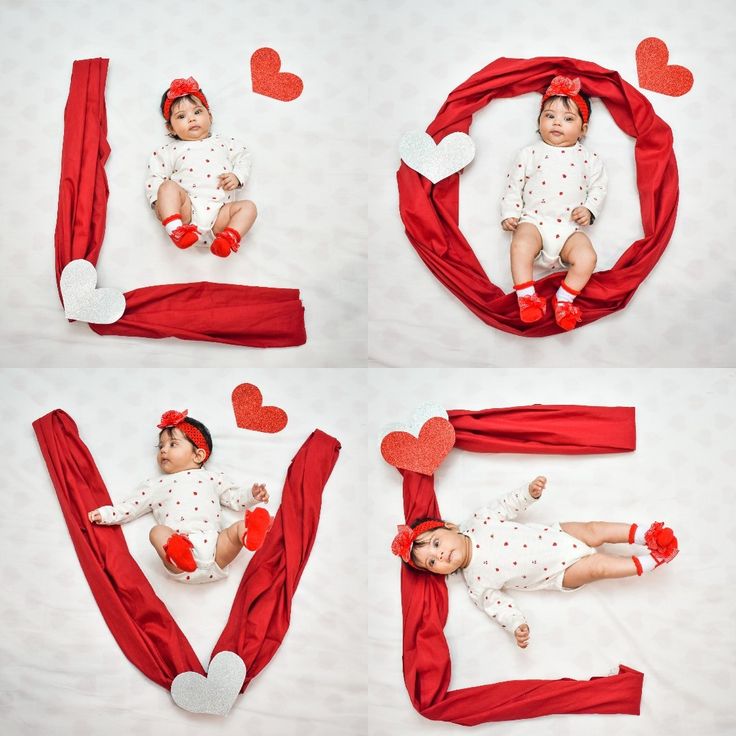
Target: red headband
point(177, 419)
point(182, 88)
point(401, 546)
point(566, 87)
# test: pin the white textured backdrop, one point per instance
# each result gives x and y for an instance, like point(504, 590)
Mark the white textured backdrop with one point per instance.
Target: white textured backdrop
point(682, 314)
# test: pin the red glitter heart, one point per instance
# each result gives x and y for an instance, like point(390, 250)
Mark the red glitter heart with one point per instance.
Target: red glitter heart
point(655, 74)
point(422, 454)
point(269, 81)
point(251, 414)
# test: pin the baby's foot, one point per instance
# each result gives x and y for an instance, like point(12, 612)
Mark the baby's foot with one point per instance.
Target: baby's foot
point(532, 308)
point(184, 236)
point(179, 552)
point(257, 524)
point(567, 315)
point(661, 542)
point(226, 242)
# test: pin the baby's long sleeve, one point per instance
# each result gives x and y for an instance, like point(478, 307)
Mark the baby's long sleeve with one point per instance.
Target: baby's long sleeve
point(236, 497)
point(500, 607)
point(240, 160)
point(159, 170)
point(597, 186)
point(512, 201)
point(141, 502)
point(508, 506)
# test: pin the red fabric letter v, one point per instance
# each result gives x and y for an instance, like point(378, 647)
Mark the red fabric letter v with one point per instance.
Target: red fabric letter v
point(529, 429)
point(137, 618)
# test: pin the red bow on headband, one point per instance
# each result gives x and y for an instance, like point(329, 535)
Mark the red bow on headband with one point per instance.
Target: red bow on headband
point(172, 418)
point(401, 546)
point(567, 87)
point(563, 86)
point(181, 88)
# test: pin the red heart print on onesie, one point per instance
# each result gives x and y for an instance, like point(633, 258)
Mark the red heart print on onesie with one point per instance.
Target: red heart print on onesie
point(422, 454)
point(267, 80)
point(251, 414)
point(655, 74)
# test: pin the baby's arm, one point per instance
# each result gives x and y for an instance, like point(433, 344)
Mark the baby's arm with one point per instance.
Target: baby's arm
point(500, 607)
point(511, 505)
point(239, 498)
point(597, 186)
point(240, 161)
point(158, 171)
point(137, 505)
point(512, 201)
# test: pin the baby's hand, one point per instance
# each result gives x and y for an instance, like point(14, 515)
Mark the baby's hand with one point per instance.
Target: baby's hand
point(95, 516)
point(522, 636)
point(537, 486)
point(228, 181)
point(260, 493)
point(581, 215)
point(510, 223)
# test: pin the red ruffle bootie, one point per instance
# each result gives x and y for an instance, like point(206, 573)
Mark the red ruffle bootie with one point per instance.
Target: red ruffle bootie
point(661, 542)
point(226, 242)
point(567, 315)
point(179, 552)
point(532, 308)
point(257, 524)
point(184, 236)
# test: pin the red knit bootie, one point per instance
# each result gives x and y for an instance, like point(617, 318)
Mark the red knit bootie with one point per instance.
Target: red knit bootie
point(179, 552)
point(183, 236)
point(226, 242)
point(567, 315)
point(257, 524)
point(532, 308)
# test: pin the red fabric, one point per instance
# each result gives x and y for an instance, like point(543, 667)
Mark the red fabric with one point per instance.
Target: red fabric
point(238, 315)
point(430, 212)
point(139, 621)
point(549, 430)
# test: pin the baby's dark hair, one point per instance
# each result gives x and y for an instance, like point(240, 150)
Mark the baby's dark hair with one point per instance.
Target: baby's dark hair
point(194, 100)
point(414, 524)
point(568, 103)
point(195, 423)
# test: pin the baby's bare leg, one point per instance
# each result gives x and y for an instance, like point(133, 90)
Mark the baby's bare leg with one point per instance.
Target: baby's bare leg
point(229, 544)
point(598, 567)
point(159, 535)
point(171, 198)
point(579, 253)
point(239, 216)
point(525, 245)
point(595, 533)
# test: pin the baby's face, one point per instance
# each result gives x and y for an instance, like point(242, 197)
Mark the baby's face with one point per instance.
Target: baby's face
point(441, 550)
point(559, 126)
point(176, 452)
point(190, 121)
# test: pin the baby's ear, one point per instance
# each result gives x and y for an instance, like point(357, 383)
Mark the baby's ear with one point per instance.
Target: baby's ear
point(199, 455)
point(452, 527)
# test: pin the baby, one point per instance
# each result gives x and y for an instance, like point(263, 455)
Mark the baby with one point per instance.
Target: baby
point(190, 180)
point(555, 188)
point(186, 504)
point(495, 553)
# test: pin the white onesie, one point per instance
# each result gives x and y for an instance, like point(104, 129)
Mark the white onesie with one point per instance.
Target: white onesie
point(195, 166)
point(545, 184)
point(508, 554)
point(189, 502)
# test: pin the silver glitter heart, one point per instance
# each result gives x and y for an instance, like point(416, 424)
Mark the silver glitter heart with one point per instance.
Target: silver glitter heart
point(214, 694)
point(83, 301)
point(436, 161)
